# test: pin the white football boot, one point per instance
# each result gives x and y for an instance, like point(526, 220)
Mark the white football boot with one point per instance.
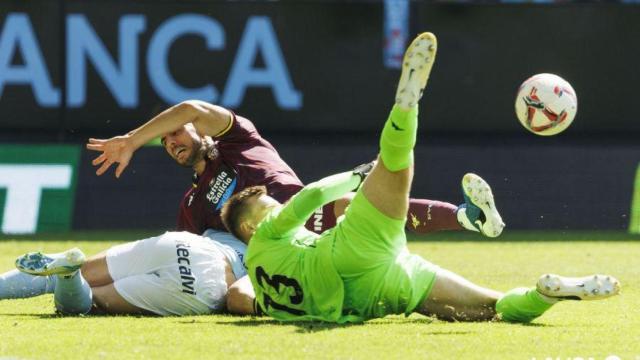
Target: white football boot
point(593, 287)
point(39, 264)
point(416, 67)
point(479, 212)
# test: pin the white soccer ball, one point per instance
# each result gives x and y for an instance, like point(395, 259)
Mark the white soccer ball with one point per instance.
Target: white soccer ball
point(546, 104)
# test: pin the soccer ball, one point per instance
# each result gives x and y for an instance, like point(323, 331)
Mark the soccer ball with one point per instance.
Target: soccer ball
point(546, 104)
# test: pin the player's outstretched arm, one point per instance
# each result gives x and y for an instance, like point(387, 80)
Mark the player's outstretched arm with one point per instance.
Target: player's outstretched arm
point(208, 119)
point(303, 204)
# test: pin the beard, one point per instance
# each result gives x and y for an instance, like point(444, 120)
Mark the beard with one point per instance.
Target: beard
point(201, 148)
point(198, 150)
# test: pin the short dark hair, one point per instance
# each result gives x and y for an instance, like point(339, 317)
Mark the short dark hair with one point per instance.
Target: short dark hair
point(234, 209)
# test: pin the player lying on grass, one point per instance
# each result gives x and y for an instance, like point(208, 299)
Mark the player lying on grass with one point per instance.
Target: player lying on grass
point(239, 157)
point(361, 269)
point(177, 273)
point(146, 276)
point(241, 153)
point(228, 154)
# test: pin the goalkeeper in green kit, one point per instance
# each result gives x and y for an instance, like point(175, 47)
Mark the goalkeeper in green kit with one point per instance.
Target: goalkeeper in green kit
point(361, 269)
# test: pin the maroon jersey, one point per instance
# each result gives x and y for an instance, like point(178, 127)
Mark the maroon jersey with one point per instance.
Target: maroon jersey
point(243, 159)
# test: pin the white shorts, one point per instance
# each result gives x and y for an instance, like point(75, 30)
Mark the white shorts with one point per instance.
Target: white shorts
point(177, 273)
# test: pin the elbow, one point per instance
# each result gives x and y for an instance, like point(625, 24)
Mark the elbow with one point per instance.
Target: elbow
point(187, 107)
point(316, 193)
point(240, 297)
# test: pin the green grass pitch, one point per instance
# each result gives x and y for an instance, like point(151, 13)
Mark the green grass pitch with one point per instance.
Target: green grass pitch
point(29, 329)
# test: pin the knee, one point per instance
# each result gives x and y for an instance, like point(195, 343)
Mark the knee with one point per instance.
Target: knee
point(95, 272)
point(89, 273)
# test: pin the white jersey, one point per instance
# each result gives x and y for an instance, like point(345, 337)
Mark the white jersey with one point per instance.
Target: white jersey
point(232, 248)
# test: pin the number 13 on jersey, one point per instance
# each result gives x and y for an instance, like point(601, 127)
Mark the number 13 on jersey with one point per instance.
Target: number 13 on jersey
point(278, 283)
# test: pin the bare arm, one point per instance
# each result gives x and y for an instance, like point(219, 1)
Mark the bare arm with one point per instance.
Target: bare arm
point(208, 119)
point(241, 297)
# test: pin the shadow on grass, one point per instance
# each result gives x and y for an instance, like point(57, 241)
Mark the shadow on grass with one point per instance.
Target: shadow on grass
point(532, 325)
point(302, 326)
point(317, 326)
point(452, 332)
point(92, 315)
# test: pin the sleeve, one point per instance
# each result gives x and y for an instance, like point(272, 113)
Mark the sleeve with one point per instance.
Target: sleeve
point(302, 205)
point(239, 130)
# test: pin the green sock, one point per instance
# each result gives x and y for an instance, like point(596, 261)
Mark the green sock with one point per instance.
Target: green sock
point(522, 305)
point(398, 138)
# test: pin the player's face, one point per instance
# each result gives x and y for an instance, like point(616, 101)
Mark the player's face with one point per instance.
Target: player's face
point(184, 145)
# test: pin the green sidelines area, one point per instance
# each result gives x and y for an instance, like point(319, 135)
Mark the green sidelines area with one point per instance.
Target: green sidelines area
point(30, 329)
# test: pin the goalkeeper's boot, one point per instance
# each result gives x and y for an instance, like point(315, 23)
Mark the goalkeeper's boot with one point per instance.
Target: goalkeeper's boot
point(593, 287)
point(39, 264)
point(479, 212)
point(416, 67)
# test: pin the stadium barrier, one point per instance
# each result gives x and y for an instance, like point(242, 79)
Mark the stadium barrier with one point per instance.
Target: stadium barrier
point(37, 187)
point(45, 188)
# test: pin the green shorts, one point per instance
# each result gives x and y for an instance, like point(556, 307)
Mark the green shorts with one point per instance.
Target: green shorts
point(380, 276)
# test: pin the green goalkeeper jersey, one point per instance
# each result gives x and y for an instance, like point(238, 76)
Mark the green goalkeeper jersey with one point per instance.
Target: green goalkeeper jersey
point(291, 268)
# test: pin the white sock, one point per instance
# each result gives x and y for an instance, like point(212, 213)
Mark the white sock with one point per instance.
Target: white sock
point(17, 285)
point(73, 295)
